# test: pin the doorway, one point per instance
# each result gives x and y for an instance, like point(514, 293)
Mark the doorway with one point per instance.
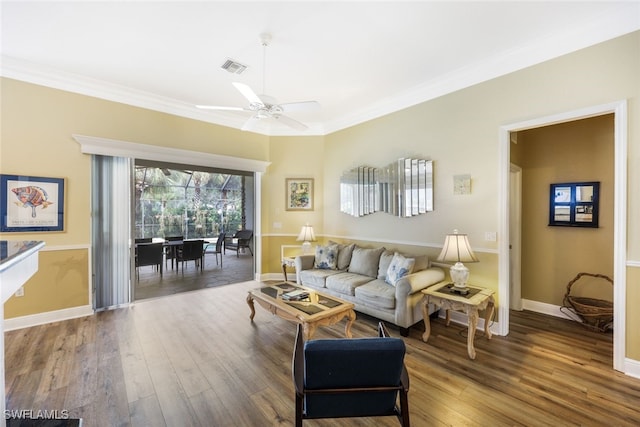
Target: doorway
point(176, 205)
point(619, 109)
point(118, 291)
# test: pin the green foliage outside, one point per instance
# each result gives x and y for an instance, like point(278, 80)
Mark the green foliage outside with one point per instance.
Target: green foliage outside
point(192, 204)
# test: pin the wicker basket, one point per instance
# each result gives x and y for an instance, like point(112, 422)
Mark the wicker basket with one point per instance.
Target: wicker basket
point(594, 313)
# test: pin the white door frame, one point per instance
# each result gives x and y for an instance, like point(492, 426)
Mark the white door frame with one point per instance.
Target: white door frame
point(515, 236)
point(619, 109)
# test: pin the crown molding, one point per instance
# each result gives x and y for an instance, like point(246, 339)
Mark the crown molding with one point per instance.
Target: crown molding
point(621, 21)
point(616, 24)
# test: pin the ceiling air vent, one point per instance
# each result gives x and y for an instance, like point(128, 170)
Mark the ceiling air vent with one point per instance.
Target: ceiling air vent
point(233, 67)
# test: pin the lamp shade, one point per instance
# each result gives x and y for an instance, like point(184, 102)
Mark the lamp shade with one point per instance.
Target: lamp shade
point(306, 234)
point(457, 249)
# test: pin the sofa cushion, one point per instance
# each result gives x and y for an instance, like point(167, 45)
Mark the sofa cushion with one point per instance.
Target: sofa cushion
point(383, 265)
point(315, 278)
point(399, 267)
point(346, 283)
point(365, 261)
point(345, 252)
point(326, 257)
point(377, 293)
point(422, 262)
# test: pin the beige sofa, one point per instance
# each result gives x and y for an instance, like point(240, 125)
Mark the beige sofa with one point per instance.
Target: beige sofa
point(362, 276)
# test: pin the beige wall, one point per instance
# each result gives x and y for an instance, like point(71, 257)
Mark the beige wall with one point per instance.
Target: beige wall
point(581, 150)
point(291, 157)
point(60, 282)
point(459, 132)
point(35, 138)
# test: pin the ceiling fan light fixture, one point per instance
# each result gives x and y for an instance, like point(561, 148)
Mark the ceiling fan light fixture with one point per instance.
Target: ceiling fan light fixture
point(233, 67)
point(263, 106)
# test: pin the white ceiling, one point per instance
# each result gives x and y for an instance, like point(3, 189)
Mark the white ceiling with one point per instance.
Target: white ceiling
point(359, 60)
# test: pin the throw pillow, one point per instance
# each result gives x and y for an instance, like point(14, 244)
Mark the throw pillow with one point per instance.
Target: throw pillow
point(385, 260)
point(326, 257)
point(399, 267)
point(422, 263)
point(344, 253)
point(365, 261)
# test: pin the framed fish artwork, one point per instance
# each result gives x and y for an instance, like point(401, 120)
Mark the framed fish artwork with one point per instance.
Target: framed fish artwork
point(31, 203)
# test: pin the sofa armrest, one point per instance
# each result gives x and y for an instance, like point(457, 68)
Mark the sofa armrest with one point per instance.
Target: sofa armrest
point(304, 262)
point(416, 282)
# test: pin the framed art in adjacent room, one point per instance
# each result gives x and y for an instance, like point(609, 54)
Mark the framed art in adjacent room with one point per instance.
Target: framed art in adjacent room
point(299, 194)
point(574, 204)
point(31, 203)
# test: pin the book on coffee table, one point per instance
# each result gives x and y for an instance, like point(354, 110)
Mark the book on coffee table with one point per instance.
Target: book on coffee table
point(297, 295)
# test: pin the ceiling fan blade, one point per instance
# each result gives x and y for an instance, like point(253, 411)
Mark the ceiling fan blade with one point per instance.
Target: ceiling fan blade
point(291, 122)
point(300, 106)
point(248, 93)
point(251, 124)
point(217, 107)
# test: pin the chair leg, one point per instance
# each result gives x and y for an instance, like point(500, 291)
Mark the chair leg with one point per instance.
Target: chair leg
point(404, 410)
point(299, 409)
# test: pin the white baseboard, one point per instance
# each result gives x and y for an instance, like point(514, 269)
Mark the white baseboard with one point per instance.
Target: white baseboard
point(47, 317)
point(275, 276)
point(544, 308)
point(632, 368)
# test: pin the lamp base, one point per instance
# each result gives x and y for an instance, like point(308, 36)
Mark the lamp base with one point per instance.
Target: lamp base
point(459, 291)
point(459, 274)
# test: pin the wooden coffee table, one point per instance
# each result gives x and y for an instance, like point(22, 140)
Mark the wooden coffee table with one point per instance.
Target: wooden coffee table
point(316, 310)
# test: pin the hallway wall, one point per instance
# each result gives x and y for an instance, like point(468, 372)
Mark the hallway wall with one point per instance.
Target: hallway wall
point(581, 150)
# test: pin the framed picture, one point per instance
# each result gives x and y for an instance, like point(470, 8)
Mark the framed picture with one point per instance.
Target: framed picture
point(574, 204)
point(31, 203)
point(299, 194)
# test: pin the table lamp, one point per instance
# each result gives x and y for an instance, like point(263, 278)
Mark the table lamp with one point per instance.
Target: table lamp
point(457, 249)
point(306, 236)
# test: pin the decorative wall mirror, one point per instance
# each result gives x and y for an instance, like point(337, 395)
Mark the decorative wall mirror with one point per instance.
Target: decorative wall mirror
point(403, 188)
point(574, 204)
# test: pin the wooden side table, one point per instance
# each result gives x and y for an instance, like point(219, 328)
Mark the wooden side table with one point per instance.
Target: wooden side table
point(478, 299)
point(287, 261)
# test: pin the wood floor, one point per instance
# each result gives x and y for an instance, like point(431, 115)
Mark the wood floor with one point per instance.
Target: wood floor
point(215, 272)
point(195, 359)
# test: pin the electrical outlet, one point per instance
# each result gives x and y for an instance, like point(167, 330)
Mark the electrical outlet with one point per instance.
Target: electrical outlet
point(490, 236)
point(20, 292)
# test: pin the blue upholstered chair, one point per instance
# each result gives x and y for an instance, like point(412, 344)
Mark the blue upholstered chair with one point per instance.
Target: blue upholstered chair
point(339, 378)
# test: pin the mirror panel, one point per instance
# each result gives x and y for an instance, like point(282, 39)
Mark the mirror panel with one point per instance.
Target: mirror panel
point(403, 188)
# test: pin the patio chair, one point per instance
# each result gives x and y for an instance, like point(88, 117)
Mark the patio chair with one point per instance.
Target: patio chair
point(191, 250)
point(170, 251)
point(148, 254)
point(216, 249)
point(340, 378)
point(237, 242)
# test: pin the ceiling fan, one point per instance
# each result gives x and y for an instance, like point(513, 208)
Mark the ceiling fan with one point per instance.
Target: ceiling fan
point(265, 106)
